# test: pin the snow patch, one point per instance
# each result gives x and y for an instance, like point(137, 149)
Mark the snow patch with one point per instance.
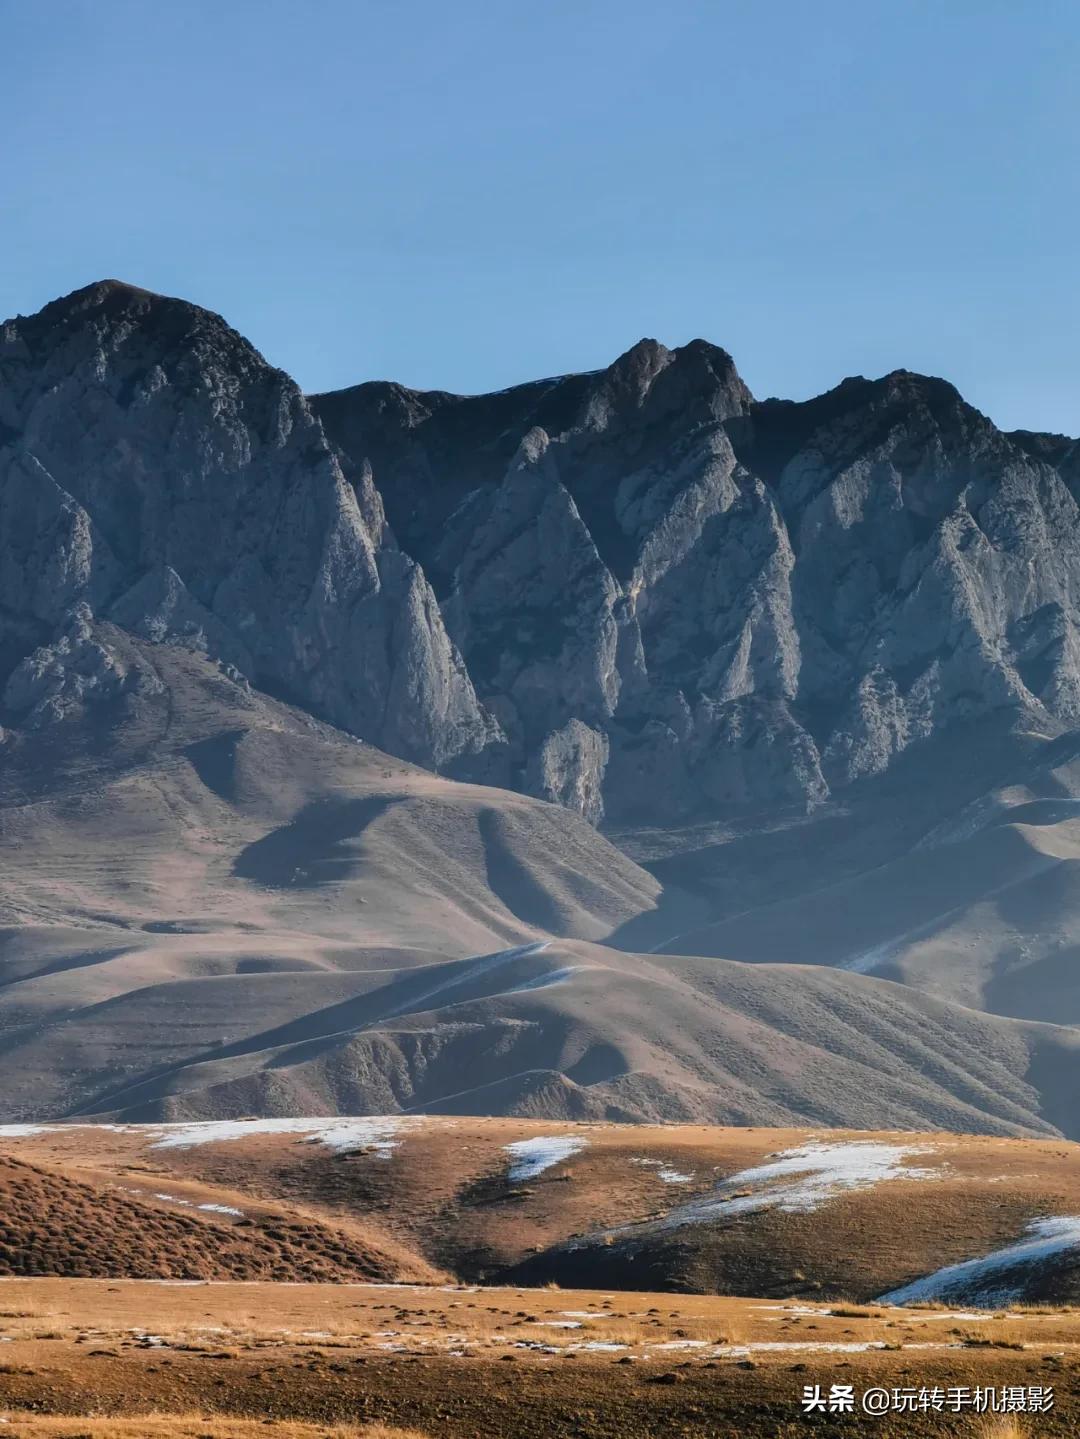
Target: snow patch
point(800, 1180)
point(190, 1204)
point(374, 1132)
point(795, 1309)
point(672, 1176)
point(664, 1171)
point(785, 1347)
point(996, 1278)
point(533, 1156)
point(338, 1134)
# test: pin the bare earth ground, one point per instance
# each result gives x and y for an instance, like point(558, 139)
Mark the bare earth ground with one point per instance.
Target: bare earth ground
point(497, 1362)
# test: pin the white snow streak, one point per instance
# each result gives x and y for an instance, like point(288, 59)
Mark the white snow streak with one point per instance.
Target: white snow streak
point(673, 1176)
point(475, 969)
point(784, 1347)
point(798, 1180)
point(374, 1132)
point(190, 1204)
point(549, 980)
point(663, 1171)
point(802, 1179)
point(996, 1278)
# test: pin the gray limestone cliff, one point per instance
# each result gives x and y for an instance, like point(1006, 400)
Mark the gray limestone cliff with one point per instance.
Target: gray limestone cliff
point(762, 603)
point(636, 591)
point(155, 471)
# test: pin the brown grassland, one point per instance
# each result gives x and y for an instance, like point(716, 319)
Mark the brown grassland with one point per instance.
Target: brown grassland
point(271, 1285)
point(469, 1361)
point(97, 1202)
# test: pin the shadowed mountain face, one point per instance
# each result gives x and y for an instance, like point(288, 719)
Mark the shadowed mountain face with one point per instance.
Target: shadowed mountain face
point(674, 598)
point(285, 684)
point(213, 905)
point(157, 472)
point(635, 591)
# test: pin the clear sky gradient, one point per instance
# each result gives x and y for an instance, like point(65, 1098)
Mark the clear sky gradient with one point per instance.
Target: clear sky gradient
point(469, 193)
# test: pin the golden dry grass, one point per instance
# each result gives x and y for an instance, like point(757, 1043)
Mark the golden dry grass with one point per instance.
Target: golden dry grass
point(1000, 1333)
point(60, 1224)
point(1002, 1426)
point(432, 1359)
point(246, 1319)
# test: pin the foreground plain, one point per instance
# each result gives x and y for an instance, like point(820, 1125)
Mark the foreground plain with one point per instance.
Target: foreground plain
point(464, 1361)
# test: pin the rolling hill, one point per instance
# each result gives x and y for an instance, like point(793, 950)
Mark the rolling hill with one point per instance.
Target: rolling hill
point(782, 1213)
point(313, 708)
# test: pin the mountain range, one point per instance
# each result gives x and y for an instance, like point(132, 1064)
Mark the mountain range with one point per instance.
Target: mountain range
point(613, 746)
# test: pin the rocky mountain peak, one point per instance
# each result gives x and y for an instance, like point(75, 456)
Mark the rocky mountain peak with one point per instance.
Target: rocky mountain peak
point(108, 304)
point(797, 592)
point(632, 375)
point(144, 438)
point(632, 589)
point(698, 382)
point(117, 294)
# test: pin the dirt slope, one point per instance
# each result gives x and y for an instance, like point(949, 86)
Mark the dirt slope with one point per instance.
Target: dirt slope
point(928, 877)
point(214, 906)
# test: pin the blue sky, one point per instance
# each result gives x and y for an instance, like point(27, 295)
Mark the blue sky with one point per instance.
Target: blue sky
point(465, 195)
